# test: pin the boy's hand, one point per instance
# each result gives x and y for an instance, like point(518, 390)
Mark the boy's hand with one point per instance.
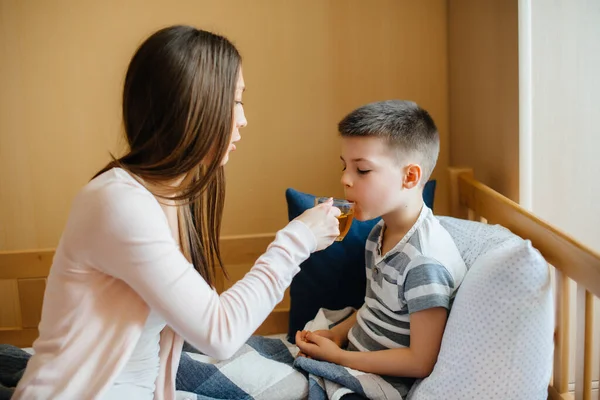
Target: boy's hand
point(316, 345)
point(326, 333)
point(329, 334)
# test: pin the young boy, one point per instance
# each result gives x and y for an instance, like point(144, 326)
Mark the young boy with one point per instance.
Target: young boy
point(389, 150)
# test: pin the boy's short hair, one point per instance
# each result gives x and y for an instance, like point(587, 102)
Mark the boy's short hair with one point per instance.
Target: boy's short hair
point(406, 127)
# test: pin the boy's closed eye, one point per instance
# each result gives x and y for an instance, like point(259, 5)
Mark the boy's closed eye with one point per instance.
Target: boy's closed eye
point(360, 171)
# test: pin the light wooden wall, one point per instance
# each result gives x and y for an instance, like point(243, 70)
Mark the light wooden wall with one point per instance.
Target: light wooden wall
point(484, 91)
point(306, 64)
point(565, 84)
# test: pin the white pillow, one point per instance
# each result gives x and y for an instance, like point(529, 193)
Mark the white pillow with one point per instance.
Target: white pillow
point(498, 342)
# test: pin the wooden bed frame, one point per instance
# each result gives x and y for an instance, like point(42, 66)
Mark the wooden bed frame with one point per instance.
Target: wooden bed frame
point(23, 279)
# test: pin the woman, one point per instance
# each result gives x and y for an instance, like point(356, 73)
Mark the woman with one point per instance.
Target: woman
point(132, 275)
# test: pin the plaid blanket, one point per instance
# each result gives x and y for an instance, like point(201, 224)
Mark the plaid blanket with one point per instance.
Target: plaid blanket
point(267, 368)
point(264, 369)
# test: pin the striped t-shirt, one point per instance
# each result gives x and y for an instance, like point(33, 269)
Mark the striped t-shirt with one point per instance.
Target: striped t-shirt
point(422, 271)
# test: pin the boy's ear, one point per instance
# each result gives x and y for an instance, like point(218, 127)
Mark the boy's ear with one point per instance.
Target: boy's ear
point(413, 175)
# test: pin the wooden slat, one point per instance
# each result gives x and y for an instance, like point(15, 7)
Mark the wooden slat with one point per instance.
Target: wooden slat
point(21, 302)
point(577, 261)
point(561, 339)
point(242, 249)
point(457, 209)
point(583, 355)
point(31, 297)
point(10, 310)
point(554, 395)
point(25, 264)
point(579, 343)
point(18, 337)
point(588, 346)
point(36, 263)
point(472, 215)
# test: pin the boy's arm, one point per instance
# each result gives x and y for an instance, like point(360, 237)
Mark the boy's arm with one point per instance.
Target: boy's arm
point(338, 334)
point(417, 361)
point(428, 288)
point(340, 331)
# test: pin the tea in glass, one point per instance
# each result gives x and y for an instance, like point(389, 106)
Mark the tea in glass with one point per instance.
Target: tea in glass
point(345, 218)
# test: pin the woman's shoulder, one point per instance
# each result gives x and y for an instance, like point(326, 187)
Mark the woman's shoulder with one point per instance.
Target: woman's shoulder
point(110, 210)
point(114, 182)
point(114, 178)
point(114, 192)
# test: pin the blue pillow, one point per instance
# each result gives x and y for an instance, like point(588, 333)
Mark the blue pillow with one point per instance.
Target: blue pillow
point(335, 277)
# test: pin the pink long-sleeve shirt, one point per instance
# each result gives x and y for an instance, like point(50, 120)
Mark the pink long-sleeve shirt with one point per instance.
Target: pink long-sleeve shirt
point(116, 260)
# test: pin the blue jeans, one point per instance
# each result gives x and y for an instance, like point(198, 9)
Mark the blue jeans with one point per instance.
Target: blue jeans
point(13, 361)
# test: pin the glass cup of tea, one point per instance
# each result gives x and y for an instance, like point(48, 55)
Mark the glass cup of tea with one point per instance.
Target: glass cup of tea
point(345, 218)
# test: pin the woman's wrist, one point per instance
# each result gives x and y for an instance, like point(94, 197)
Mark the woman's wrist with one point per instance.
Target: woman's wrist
point(306, 234)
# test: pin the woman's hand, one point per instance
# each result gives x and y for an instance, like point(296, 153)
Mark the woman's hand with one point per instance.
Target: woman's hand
point(322, 221)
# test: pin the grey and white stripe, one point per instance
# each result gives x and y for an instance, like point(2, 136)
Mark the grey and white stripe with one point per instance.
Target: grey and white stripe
point(422, 271)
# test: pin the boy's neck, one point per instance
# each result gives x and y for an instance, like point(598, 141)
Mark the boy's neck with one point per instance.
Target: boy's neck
point(399, 221)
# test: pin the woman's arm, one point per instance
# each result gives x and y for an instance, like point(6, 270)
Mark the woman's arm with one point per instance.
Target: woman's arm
point(128, 237)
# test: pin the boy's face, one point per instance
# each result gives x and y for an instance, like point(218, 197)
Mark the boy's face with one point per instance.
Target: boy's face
point(373, 176)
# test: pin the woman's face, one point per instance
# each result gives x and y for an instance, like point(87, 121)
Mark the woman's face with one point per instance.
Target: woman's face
point(239, 119)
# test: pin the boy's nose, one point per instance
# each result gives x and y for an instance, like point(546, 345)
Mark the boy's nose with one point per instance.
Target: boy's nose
point(345, 180)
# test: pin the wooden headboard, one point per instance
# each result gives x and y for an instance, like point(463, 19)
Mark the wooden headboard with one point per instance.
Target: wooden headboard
point(23, 281)
point(23, 274)
point(570, 260)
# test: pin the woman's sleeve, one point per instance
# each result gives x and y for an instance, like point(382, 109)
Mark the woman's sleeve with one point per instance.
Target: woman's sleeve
point(128, 237)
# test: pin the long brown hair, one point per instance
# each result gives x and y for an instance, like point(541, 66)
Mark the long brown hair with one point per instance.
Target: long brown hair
point(178, 103)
